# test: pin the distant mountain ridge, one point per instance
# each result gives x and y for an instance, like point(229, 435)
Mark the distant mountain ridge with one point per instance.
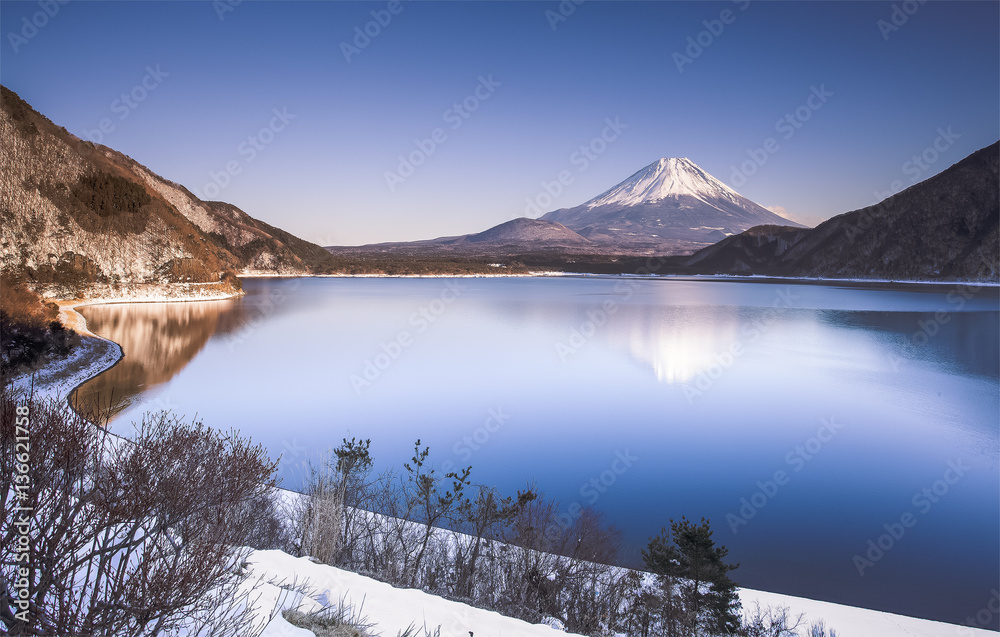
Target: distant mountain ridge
point(75, 213)
point(945, 227)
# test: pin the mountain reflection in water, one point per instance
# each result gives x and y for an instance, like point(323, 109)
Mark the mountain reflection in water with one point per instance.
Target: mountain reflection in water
point(157, 339)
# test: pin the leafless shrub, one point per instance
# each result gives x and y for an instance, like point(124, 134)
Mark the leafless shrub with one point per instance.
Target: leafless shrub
point(265, 522)
point(484, 520)
point(770, 622)
point(521, 556)
point(327, 525)
point(318, 527)
point(127, 537)
point(819, 629)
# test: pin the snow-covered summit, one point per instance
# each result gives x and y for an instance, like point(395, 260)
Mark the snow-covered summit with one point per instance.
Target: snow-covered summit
point(671, 206)
point(666, 177)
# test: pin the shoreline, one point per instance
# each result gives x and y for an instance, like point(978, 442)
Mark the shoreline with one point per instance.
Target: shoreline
point(58, 379)
point(733, 278)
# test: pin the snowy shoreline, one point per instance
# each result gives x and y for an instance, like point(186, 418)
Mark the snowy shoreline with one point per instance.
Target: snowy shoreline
point(394, 609)
point(58, 379)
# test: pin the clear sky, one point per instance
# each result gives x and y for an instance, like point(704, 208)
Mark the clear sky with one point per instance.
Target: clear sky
point(889, 81)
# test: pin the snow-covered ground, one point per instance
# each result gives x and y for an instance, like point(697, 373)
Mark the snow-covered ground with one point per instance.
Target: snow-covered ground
point(140, 293)
point(394, 609)
point(90, 358)
point(391, 610)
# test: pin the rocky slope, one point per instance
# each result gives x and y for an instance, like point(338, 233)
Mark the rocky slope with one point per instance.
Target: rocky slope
point(75, 214)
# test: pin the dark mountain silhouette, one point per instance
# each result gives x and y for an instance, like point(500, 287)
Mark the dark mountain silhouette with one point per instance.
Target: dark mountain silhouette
point(945, 227)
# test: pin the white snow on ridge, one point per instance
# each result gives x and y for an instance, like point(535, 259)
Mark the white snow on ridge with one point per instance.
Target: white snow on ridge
point(666, 177)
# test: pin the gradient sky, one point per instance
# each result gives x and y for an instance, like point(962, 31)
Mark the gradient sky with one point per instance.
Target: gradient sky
point(323, 177)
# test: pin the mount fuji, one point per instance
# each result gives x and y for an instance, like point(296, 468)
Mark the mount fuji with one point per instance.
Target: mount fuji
point(670, 207)
point(672, 202)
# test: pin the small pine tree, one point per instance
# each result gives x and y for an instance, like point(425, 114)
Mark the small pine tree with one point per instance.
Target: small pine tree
point(701, 599)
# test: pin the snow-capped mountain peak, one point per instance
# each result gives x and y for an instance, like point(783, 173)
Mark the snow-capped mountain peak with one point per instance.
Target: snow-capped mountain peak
point(670, 204)
point(667, 177)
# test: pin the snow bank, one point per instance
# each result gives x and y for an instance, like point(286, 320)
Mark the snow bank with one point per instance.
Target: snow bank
point(850, 621)
point(57, 380)
point(391, 609)
point(394, 609)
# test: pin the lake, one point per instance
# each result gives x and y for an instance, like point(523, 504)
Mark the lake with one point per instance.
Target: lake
point(842, 439)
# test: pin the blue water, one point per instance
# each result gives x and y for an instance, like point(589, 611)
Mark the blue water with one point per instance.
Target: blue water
point(801, 419)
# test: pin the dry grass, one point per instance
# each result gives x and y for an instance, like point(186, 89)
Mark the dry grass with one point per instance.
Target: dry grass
point(341, 620)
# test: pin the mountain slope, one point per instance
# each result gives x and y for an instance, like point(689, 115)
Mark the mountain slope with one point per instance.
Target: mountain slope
point(506, 239)
point(669, 201)
point(75, 213)
point(523, 231)
point(943, 228)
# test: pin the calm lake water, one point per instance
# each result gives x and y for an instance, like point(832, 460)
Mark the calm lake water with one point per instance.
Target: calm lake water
point(803, 420)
